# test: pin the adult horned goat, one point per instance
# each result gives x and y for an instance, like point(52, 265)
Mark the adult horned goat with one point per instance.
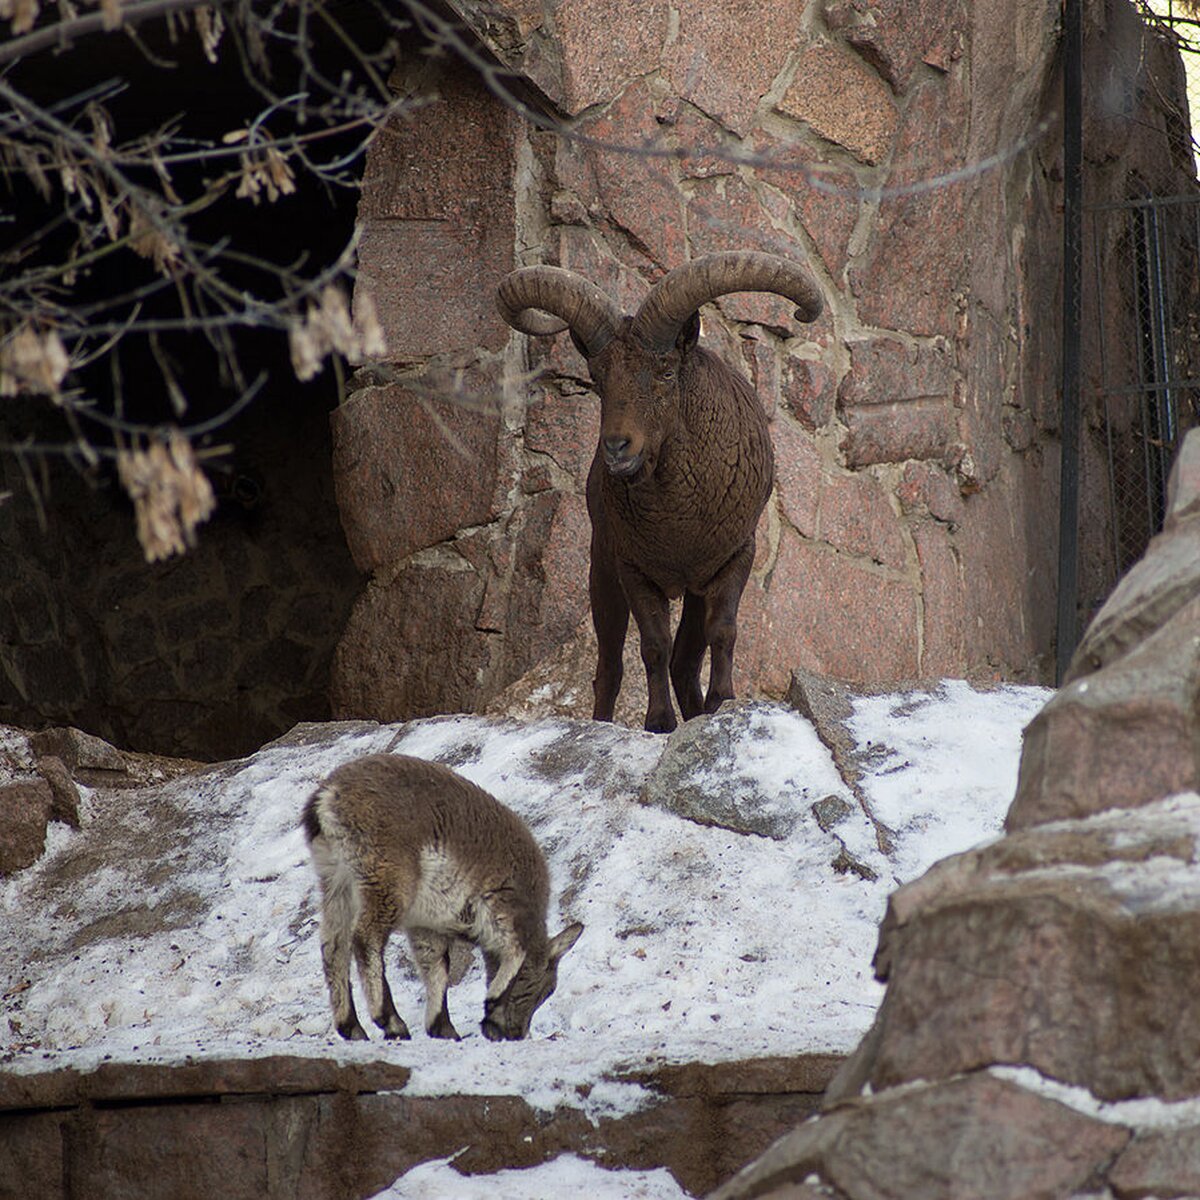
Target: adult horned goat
point(682, 470)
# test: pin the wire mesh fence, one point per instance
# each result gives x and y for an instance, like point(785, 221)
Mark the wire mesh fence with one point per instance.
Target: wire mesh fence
point(1180, 21)
point(1144, 264)
point(1141, 273)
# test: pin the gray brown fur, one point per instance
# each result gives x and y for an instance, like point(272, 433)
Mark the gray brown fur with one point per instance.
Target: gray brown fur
point(399, 843)
point(682, 471)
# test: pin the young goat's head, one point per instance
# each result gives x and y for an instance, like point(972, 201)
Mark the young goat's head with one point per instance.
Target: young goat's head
point(506, 1017)
point(637, 363)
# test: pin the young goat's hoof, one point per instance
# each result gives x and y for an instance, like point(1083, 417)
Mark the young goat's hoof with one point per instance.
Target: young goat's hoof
point(352, 1031)
point(444, 1028)
point(397, 1032)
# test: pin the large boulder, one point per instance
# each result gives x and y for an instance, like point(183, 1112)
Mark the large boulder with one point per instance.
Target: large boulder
point(1127, 734)
point(1073, 948)
point(1124, 729)
point(972, 1138)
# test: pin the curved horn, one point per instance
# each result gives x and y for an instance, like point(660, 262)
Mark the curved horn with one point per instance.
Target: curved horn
point(526, 297)
point(680, 292)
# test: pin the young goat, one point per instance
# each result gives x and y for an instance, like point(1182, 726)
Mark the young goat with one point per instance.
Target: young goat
point(399, 843)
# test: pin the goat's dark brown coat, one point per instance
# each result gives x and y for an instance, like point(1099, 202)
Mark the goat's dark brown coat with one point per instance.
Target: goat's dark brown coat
point(682, 471)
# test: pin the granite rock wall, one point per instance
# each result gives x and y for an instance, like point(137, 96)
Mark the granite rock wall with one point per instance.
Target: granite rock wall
point(908, 152)
point(1039, 1034)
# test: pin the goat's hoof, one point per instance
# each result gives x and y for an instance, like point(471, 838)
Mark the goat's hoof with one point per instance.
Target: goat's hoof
point(352, 1031)
point(661, 724)
point(397, 1033)
point(443, 1028)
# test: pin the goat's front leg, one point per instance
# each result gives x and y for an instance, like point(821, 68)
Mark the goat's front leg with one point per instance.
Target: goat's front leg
point(652, 612)
point(503, 963)
point(502, 970)
point(431, 953)
point(610, 618)
point(721, 601)
point(687, 657)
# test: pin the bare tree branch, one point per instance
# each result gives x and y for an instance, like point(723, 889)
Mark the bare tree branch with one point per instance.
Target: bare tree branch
point(119, 250)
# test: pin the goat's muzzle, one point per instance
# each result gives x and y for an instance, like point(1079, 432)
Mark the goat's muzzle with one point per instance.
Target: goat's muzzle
point(624, 468)
point(617, 459)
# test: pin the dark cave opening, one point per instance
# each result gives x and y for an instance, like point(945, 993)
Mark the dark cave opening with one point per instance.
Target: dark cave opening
point(210, 654)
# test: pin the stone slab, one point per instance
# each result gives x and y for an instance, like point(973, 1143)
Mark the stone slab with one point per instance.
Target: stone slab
point(281, 1127)
point(1072, 948)
point(975, 1137)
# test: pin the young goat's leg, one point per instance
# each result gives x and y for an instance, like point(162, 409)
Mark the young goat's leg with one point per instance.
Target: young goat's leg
point(369, 945)
point(339, 909)
point(431, 952)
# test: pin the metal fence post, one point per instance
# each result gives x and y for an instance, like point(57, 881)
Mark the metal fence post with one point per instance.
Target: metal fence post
point(1068, 519)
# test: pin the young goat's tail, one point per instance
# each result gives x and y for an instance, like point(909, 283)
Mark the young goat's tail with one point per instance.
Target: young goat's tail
point(341, 901)
point(310, 820)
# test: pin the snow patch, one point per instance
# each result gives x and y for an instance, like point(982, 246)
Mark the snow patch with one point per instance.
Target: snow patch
point(700, 945)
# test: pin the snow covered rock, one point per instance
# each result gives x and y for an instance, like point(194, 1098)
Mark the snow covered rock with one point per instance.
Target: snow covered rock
point(1073, 948)
point(977, 1136)
point(40, 777)
point(1126, 735)
point(735, 769)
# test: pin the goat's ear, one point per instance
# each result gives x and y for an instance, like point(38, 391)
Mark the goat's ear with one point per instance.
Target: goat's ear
point(689, 334)
point(560, 943)
point(579, 343)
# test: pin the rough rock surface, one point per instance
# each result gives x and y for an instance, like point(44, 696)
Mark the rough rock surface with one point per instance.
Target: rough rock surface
point(561, 684)
point(1164, 581)
point(1123, 729)
point(1091, 925)
point(295, 1127)
point(24, 811)
point(1160, 1163)
point(1122, 736)
point(972, 1137)
point(914, 442)
point(46, 771)
point(1068, 948)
